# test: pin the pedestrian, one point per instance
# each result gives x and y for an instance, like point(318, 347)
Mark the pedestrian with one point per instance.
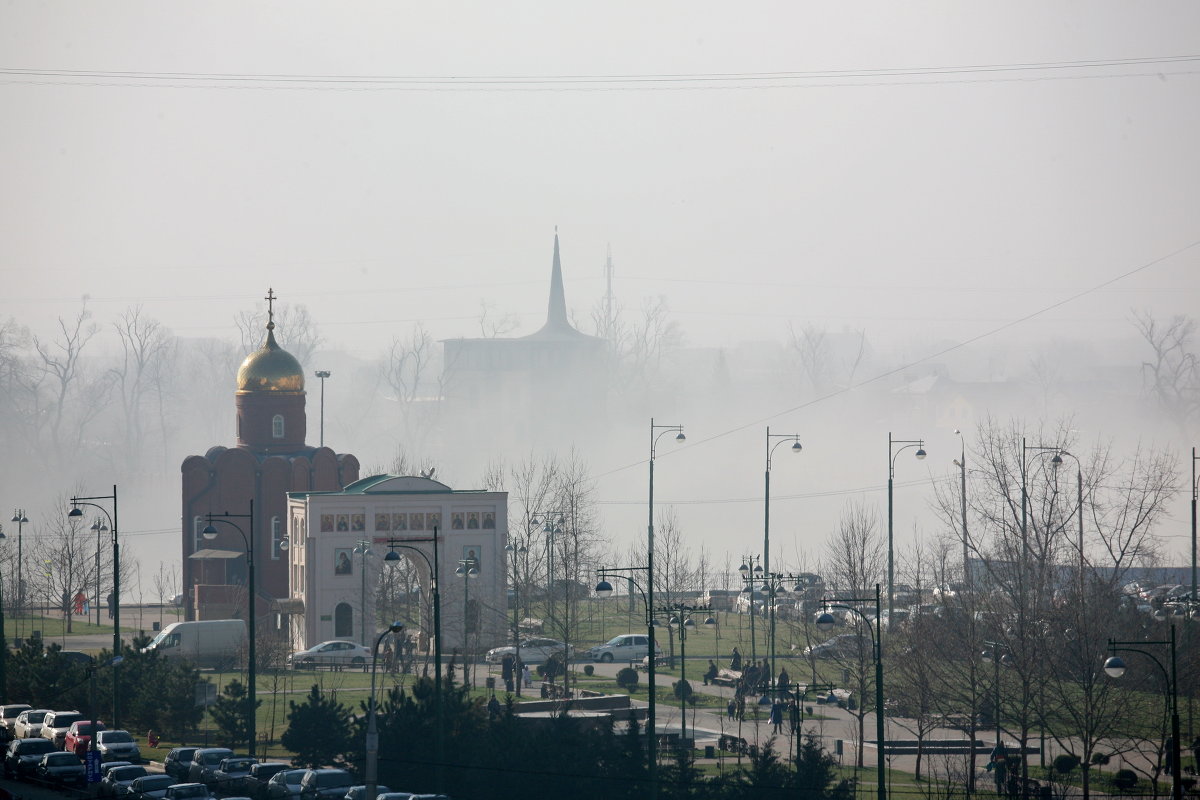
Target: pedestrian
point(776, 717)
point(731, 708)
point(711, 672)
point(506, 671)
point(493, 708)
point(794, 713)
point(527, 676)
point(750, 678)
point(735, 663)
point(785, 680)
point(764, 675)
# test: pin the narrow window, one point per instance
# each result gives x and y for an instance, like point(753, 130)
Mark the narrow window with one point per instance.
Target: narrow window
point(197, 536)
point(276, 537)
point(343, 620)
point(277, 426)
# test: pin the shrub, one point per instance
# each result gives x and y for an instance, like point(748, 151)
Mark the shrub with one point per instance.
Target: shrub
point(1065, 762)
point(1124, 779)
point(1100, 758)
point(589, 670)
point(627, 679)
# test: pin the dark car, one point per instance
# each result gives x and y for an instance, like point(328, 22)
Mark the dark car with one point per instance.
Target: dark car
point(255, 783)
point(187, 791)
point(284, 785)
point(23, 755)
point(64, 769)
point(205, 763)
point(230, 776)
point(117, 779)
point(151, 787)
point(178, 761)
point(325, 784)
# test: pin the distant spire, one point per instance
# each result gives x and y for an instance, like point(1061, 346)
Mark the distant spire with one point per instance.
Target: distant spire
point(556, 314)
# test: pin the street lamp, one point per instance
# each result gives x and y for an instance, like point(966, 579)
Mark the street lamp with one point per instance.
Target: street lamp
point(1115, 668)
point(210, 533)
point(552, 526)
point(514, 550)
point(323, 374)
point(99, 527)
point(893, 454)
point(749, 586)
point(76, 511)
point(991, 656)
point(775, 584)
point(683, 622)
point(605, 589)
point(20, 518)
point(468, 568)
point(825, 622)
point(436, 596)
point(961, 463)
point(656, 433)
point(796, 448)
point(372, 771)
point(363, 548)
point(1195, 495)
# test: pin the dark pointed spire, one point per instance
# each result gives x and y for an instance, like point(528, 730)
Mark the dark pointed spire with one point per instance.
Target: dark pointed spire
point(556, 314)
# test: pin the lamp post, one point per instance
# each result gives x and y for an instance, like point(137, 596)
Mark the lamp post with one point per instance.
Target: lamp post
point(604, 589)
point(436, 596)
point(468, 568)
point(1114, 666)
point(796, 447)
point(513, 550)
point(683, 622)
point(656, 432)
point(1195, 495)
point(992, 656)
point(775, 584)
point(3, 641)
point(76, 511)
point(210, 533)
point(99, 527)
point(749, 586)
point(893, 454)
point(961, 463)
point(372, 770)
point(801, 691)
point(825, 622)
point(362, 548)
point(20, 518)
point(552, 526)
point(93, 765)
point(323, 374)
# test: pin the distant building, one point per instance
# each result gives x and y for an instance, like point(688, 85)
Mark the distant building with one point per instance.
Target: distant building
point(269, 460)
point(340, 540)
point(534, 387)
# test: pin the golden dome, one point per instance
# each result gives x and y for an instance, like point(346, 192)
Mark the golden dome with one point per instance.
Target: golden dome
point(270, 369)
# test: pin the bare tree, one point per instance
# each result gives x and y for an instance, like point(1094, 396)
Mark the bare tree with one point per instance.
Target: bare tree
point(493, 327)
point(1172, 374)
point(144, 343)
point(295, 330)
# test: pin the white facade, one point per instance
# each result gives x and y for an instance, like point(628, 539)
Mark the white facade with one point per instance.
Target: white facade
point(389, 512)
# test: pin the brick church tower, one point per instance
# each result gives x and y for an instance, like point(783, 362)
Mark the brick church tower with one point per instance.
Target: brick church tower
point(269, 460)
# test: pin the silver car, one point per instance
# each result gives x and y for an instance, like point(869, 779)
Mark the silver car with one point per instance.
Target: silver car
point(533, 651)
point(331, 654)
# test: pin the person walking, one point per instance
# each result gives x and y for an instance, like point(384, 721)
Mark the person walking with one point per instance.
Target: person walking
point(776, 717)
point(785, 680)
point(731, 708)
point(506, 671)
point(527, 676)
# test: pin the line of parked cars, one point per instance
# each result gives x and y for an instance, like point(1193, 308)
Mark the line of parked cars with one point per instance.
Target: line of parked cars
point(49, 745)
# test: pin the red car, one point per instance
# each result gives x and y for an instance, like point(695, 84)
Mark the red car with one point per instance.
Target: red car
point(79, 737)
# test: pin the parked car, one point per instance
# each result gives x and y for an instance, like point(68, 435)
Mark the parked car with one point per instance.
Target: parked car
point(205, 762)
point(178, 761)
point(395, 796)
point(8, 717)
point(29, 723)
point(117, 746)
point(76, 657)
point(230, 776)
point(255, 783)
point(187, 791)
point(284, 785)
point(359, 792)
point(325, 784)
point(116, 779)
point(533, 651)
point(56, 724)
point(151, 787)
point(627, 647)
point(79, 736)
point(64, 769)
point(843, 645)
point(330, 654)
point(23, 755)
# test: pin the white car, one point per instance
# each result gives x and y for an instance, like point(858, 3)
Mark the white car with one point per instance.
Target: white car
point(626, 647)
point(331, 654)
point(533, 651)
point(29, 723)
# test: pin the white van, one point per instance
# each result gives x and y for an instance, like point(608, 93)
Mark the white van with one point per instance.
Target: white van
point(205, 643)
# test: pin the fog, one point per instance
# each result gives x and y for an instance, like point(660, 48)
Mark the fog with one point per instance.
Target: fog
point(961, 209)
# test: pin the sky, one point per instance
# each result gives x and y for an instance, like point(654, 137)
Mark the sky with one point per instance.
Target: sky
point(927, 172)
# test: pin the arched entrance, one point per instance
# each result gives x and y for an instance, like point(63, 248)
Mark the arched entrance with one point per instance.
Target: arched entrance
point(343, 621)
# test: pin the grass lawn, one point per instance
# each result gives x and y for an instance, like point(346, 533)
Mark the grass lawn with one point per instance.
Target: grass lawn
point(55, 627)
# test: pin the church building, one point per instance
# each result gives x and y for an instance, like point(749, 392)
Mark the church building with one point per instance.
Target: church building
point(270, 459)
